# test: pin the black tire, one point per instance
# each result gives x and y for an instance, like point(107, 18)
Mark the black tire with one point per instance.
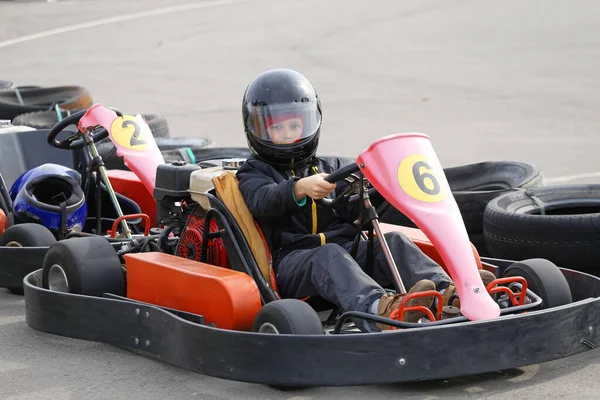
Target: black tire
point(288, 316)
point(544, 279)
point(568, 234)
point(475, 185)
point(26, 235)
point(40, 119)
point(47, 119)
point(90, 265)
point(42, 99)
point(158, 125)
point(478, 240)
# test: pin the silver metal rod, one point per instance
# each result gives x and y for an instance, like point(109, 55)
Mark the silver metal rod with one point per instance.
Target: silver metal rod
point(111, 192)
point(388, 254)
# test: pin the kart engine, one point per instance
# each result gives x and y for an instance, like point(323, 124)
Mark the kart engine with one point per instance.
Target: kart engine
point(176, 209)
point(190, 243)
point(172, 195)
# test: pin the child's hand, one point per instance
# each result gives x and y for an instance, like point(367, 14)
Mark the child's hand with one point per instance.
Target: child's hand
point(314, 186)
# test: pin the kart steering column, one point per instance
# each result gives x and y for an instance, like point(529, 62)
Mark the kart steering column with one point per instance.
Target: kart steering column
point(371, 214)
point(102, 171)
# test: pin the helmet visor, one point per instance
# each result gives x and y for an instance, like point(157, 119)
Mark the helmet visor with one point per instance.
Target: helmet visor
point(283, 123)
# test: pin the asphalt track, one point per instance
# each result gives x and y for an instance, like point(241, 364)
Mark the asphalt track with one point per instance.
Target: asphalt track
point(510, 80)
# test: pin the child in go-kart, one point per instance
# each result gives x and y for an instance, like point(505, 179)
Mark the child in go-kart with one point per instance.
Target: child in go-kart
point(310, 244)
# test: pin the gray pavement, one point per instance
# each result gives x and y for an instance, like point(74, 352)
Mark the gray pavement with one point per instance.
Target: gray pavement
point(511, 80)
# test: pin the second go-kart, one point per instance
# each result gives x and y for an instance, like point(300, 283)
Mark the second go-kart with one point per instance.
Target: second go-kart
point(54, 202)
point(212, 305)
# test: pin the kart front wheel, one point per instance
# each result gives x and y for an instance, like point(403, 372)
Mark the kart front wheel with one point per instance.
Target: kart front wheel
point(88, 266)
point(543, 278)
point(26, 235)
point(288, 316)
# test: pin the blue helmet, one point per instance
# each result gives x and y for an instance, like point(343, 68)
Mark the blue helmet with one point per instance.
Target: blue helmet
point(50, 195)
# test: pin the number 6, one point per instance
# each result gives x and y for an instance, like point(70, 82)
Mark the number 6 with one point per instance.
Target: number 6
point(420, 178)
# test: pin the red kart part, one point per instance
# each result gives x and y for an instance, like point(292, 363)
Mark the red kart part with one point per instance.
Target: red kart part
point(3, 221)
point(399, 312)
point(146, 219)
point(129, 185)
point(226, 298)
point(406, 171)
point(133, 139)
point(190, 244)
point(492, 288)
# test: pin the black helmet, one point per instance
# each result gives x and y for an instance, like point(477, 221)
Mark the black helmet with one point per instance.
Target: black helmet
point(282, 118)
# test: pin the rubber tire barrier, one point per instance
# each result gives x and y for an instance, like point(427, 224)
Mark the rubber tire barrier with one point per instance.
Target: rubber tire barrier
point(47, 119)
point(41, 99)
point(515, 228)
point(40, 119)
point(473, 186)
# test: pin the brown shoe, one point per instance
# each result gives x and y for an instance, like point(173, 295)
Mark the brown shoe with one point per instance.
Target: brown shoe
point(388, 303)
point(486, 278)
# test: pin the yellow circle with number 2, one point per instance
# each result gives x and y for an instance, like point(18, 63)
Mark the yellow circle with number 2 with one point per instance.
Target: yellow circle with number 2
point(419, 179)
point(126, 130)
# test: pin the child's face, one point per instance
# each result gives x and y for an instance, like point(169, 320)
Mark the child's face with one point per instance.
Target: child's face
point(286, 132)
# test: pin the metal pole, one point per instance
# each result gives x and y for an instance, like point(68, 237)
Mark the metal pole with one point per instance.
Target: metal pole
point(111, 192)
point(386, 251)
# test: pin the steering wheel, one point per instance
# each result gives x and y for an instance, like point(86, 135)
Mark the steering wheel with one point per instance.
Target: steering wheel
point(75, 141)
point(350, 195)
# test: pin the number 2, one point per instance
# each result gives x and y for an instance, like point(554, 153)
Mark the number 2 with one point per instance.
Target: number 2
point(135, 138)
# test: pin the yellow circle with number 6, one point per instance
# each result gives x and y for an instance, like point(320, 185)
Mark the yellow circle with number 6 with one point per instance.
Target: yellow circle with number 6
point(127, 131)
point(419, 179)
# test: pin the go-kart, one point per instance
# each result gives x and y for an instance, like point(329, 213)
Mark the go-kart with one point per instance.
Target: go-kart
point(23, 246)
point(212, 305)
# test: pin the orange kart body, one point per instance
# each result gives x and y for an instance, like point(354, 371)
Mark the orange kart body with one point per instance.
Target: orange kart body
point(226, 298)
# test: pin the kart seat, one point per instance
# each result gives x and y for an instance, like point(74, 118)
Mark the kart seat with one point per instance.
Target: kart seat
point(227, 190)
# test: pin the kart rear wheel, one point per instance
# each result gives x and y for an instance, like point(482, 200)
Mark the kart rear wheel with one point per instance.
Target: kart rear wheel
point(26, 235)
point(543, 278)
point(88, 266)
point(288, 316)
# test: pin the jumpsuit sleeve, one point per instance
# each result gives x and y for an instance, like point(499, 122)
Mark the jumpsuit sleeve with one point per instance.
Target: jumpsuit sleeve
point(264, 197)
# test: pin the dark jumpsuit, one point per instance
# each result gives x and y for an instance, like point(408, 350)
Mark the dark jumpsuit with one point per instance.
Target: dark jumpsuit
point(310, 244)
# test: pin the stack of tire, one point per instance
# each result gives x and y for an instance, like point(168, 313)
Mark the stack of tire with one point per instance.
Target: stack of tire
point(560, 223)
point(474, 186)
point(42, 107)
